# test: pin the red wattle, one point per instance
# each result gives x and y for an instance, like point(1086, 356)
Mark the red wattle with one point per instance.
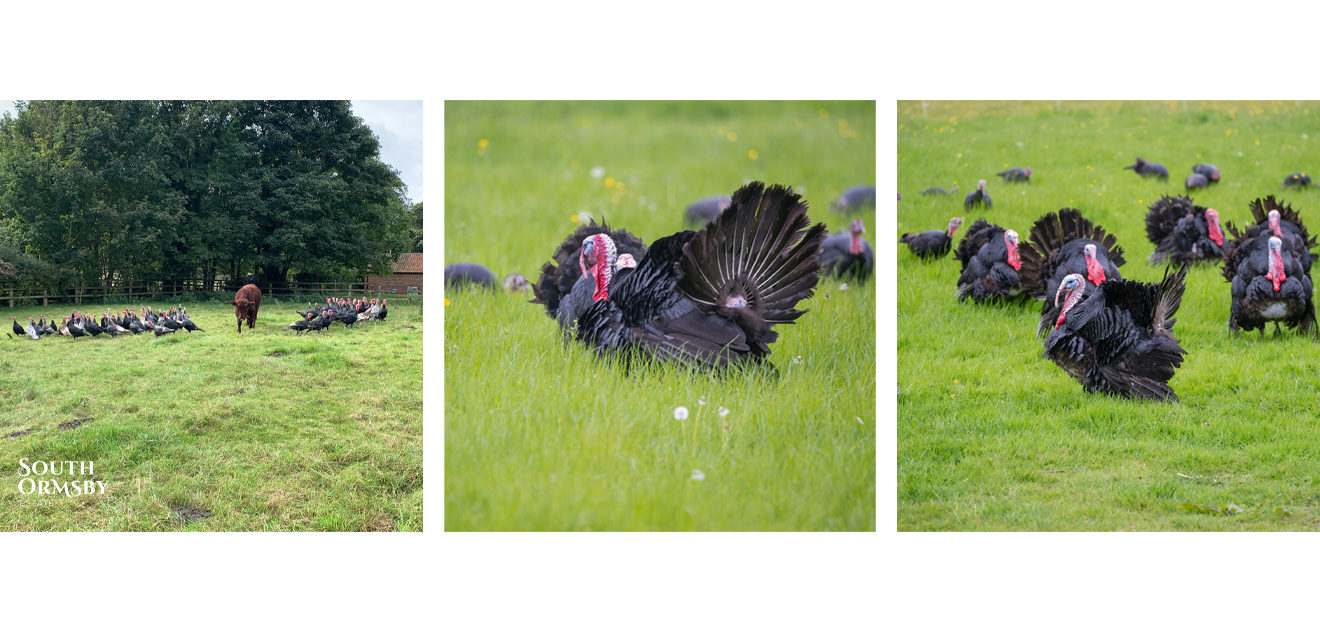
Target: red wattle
point(855, 246)
point(1094, 272)
point(1013, 260)
point(1276, 274)
point(1215, 234)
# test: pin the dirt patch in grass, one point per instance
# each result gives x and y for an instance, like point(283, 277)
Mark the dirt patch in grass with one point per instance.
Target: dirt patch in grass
point(17, 434)
point(189, 513)
point(75, 423)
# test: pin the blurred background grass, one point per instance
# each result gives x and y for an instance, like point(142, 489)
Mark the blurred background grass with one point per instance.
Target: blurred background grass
point(543, 436)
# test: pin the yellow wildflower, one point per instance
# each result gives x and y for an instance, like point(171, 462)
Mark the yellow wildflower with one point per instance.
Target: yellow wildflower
point(752, 154)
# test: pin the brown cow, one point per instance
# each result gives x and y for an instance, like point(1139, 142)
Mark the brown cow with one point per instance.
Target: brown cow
point(246, 302)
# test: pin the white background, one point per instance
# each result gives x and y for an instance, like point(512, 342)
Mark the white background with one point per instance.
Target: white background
point(687, 50)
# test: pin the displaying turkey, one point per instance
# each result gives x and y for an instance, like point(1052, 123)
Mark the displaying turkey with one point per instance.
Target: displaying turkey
point(1149, 169)
point(1268, 267)
point(567, 287)
point(990, 263)
point(707, 299)
point(848, 255)
point(1183, 232)
point(703, 211)
point(1064, 243)
point(1116, 338)
point(1015, 174)
point(978, 197)
point(1268, 215)
point(932, 244)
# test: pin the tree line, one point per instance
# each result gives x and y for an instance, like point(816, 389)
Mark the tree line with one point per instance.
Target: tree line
point(107, 193)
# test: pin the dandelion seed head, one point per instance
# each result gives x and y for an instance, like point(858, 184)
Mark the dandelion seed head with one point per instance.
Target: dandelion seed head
point(598, 171)
point(723, 412)
point(680, 413)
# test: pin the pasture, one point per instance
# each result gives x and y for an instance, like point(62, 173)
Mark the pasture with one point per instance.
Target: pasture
point(267, 431)
point(993, 436)
point(540, 435)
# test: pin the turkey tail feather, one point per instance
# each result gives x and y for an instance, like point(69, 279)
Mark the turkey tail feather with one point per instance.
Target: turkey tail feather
point(762, 249)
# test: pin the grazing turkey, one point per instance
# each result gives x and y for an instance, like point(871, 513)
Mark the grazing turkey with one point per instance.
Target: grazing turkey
point(990, 263)
point(1116, 338)
point(1064, 243)
point(1268, 267)
point(1268, 215)
point(1149, 169)
point(1209, 171)
point(460, 275)
point(936, 190)
point(31, 329)
point(855, 199)
point(848, 255)
point(1300, 180)
point(978, 196)
point(1183, 232)
point(567, 286)
point(18, 330)
point(932, 244)
point(703, 211)
point(1196, 180)
point(709, 298)
point(1016, 174)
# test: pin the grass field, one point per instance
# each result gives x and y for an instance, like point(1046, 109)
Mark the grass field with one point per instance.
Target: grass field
point(267, 431)
point(540, 436)
point(992, 436)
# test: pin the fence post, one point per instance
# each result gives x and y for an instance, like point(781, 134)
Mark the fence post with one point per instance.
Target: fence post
point(11, 298)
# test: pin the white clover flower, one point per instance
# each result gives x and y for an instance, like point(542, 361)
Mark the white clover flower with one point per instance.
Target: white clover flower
point(701, 401)
point(723, 412)
point(797, 360)
point(598, 172)
point(697, 475)
point(680, 413)
point(843, 287)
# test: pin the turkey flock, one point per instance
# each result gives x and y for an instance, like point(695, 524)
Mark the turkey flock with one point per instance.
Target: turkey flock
point(109, 323)
point(347, 311)
point(1112, 335)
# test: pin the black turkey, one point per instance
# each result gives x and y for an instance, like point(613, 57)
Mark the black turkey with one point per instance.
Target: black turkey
point(567, 285)
point(1183, 232)
point(1016, 174)
point(978, 197)
point(936, 190)
point(1300, 180)
point(1268, 267)
point(1149, 169)
point(848, 255)
point(1196, 180)
point(707, 298)
point(931, 244)
point(460, 275)
point(855, 199)
point(1117, 338)
point(990, 263)
point(1064, 243)
point(1209, 171)
point(1268, 215)
point(703, 211)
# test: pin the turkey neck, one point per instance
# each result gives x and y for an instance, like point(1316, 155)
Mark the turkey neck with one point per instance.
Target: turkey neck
point(855, 244)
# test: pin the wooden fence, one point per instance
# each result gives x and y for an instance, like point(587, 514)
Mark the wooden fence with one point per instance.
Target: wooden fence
point(156, 290)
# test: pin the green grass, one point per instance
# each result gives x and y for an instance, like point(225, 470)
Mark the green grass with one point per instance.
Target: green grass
point(992, 436)
point(544, 436)
point(268, 431)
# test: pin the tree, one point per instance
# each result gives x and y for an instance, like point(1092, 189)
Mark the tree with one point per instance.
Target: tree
point(416, 230)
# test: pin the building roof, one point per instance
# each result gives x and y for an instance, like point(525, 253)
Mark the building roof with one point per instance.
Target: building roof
point(408, 263)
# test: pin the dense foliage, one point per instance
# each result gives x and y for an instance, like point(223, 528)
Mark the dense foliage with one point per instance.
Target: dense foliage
point(112, 192)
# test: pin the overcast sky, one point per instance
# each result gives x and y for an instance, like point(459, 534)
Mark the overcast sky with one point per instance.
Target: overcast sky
point(398, 125)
